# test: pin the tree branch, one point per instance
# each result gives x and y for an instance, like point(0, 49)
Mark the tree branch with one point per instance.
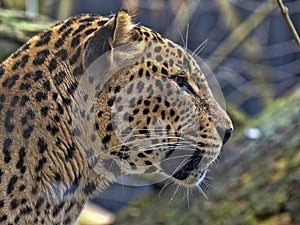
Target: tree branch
point(285, 13)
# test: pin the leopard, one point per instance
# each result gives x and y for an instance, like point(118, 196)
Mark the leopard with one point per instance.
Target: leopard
point(95, 97)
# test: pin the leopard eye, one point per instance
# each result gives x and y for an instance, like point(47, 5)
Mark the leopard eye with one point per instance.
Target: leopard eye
point(183, 84)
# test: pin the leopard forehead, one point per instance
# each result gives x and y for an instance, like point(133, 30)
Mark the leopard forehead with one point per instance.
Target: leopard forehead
point(57, 148)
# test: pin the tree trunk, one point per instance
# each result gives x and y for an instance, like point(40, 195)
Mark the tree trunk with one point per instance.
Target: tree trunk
point(256, 181)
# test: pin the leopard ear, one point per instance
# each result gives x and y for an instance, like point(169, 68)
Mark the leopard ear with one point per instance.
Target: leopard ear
point(117, 31)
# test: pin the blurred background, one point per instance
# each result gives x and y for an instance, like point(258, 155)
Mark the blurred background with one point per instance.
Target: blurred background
point(246, 44)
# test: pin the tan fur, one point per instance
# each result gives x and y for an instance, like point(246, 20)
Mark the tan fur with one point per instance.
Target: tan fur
point(60, 145)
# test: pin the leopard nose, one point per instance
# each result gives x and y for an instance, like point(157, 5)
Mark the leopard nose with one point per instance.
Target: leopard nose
point(225, 135)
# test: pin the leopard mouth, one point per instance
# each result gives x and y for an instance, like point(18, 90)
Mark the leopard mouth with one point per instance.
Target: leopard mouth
point(188, 168)
point(185, 170)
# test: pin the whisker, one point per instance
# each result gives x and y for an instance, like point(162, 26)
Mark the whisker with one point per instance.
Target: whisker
point(175, 192)
point(188, 196)
point(168, 182)
point(200, 47)
point(187, 36)
point(201, 191)
point(181, 37)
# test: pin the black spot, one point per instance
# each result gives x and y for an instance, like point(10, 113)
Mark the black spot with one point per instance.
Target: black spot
point(11, 184)
point(40, 96)
point(57, 177)
point(106, 139)
point(1, 203)
point(62, 39)
point(62, 54)
point(22, 188)
point(52, 129)
point(40, 164)
point(100, 113)
point(52, 65)
point(2, 71)
point(75, 57)
point(24, 60)
point(135, 111)
point(109, 127)
point(44, 111)
point(43, 146)
point(16, 65)
point(70, 152)
point(60, 108)
point(89, 188)
point(71, 205)
point(130, 88)
point(156, 108)
point(17, 218)
point(121, 155)
point(167, 104)
point(159, 58)
point(67, 220)
point(2, 98)
point(154, 69)
point(148, 163)
point(89, 31)
point(24, 86)
point(172, 112)
point(14, 204)
point(14, 101)
point(179, 53)
point(27, 132)
point(46, 85)
point(44, 39)
point(176, 119)
point(39, 203)
point(117, 89)
point(59, 77)
point(163, 114)
point(141, 155)
point(72, 88)
point(146, 102)
point(159, 99)
point(79, 29)
point(9, 126)
point(20, 163)
point(75, 41)
point(3, 218)
point(24, 100)
point(130, 118)
point(78, 70)
point(141, 72)
point(159, 85)
point(26, 210)
point(38, 75)
point(57, 209)
point(40, 57)
point(111, 101)
point(146, 111)
point(164, 71)
point(6, 150)
point(157, 49)
point(10, 81)
point(54, 96)
point(1, 174)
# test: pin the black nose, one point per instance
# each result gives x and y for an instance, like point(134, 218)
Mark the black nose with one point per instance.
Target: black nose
point(225, 134)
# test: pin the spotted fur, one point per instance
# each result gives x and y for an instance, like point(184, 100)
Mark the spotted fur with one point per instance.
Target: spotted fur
point(155, 109)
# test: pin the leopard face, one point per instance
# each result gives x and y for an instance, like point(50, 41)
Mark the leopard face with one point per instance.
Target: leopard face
point(94, 97)
point(155, 105)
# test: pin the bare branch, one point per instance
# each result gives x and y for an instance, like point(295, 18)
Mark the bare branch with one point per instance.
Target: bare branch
point(285, 13)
